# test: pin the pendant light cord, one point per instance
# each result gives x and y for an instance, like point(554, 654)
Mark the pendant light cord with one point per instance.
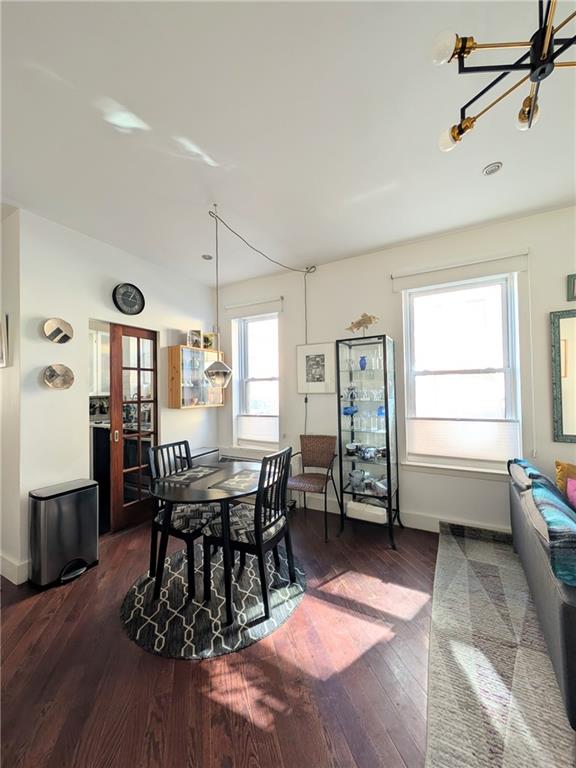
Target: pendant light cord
point(306, 342)
point(306, 270)
point(216, 218)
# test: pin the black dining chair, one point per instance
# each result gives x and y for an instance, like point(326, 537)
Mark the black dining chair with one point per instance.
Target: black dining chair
point(187, 520)
point(257, 528)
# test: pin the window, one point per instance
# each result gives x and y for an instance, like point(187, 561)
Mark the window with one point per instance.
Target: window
point(258, 406)
point(462, 372)
point(258, 345)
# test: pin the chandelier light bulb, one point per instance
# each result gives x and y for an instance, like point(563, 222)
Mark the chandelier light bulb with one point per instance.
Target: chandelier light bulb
point(447, 142)
point(444, 47)
point(523, 119)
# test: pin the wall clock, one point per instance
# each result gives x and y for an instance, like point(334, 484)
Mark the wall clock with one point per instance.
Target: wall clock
point(128, 299)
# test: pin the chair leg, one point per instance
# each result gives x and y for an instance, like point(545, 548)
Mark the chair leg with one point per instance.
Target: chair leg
point(153, 550)
point(242, 559)
point(191, 570)
point(276, 558)
point(290, 555)
point(263, 583)
point(305, 501)
point(207, 571)
point(325, 514)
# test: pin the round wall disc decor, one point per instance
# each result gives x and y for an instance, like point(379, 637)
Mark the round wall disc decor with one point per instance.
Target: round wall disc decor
point(58, 376)
point(58, 330)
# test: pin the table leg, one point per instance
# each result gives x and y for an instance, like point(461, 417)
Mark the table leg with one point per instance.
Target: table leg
point(226, 555)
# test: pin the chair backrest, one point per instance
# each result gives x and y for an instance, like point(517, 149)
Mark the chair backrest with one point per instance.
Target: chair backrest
point(317, 450)
point(167, 459)
point(271, 503)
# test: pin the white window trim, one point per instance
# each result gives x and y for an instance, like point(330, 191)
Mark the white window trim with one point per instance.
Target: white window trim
point(511, 373)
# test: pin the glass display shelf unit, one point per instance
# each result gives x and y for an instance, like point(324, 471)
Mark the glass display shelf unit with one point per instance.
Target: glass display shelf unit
point(187, 386)
point(367, 433)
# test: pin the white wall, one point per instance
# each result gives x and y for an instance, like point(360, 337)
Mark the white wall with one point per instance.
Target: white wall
point(69, 275)
point(340, 291)
point(11, 525)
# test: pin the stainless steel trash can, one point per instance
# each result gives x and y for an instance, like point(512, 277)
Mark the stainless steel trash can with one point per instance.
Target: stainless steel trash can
point(63, 531)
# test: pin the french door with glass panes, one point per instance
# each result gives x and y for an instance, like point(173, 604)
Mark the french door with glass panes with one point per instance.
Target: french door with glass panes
point(133, 423)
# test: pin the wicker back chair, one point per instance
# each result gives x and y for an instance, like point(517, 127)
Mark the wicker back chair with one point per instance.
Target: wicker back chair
point(316, 452)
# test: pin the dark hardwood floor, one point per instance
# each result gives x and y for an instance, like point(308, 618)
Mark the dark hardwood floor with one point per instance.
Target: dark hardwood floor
point(341, 684)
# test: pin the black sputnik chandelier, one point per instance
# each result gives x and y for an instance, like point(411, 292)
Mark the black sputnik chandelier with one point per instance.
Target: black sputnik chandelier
point(539, 61)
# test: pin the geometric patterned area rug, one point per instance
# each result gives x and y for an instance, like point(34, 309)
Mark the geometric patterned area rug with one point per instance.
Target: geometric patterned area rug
point(493, 699)
point(180, 628)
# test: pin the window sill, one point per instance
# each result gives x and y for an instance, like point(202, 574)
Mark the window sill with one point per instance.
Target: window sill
point(496, 475)
point(255, 452)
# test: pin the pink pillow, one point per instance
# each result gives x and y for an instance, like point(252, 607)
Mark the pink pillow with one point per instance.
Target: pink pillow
point(571, 491)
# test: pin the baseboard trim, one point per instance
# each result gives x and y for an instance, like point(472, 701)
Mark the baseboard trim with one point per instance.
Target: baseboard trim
point(416, 520)
point(14, 571)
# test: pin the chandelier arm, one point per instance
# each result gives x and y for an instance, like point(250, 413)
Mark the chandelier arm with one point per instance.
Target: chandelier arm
point(534, 88)
point(540, 14)
point(567, 44)
point(502, 96)
point(566, 20)
point(483, 68)
point(519, 44)
point(490, 86)
point(549, 27)
point(565, 64)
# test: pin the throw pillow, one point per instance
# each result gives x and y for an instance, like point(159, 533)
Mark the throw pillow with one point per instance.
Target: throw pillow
point(522, 472)
point(564, 470)
point(561, 523)
point(571, 491)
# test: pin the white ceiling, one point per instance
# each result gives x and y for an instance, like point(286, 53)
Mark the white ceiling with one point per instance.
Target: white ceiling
point(313, 125)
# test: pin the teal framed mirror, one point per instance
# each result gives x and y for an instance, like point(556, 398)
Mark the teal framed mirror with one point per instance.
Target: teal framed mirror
point(563, 329)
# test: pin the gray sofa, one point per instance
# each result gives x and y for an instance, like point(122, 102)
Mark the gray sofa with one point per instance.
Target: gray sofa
point(555, 601)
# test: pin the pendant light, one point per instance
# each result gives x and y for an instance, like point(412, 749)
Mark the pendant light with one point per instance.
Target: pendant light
point(218, 373)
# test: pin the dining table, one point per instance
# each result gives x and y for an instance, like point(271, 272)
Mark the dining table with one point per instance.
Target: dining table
point(208, 481)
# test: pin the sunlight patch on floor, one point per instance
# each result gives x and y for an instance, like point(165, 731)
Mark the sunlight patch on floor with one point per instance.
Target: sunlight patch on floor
point(376, 595)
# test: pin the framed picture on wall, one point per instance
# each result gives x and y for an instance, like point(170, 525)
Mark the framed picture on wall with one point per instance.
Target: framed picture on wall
point(194, 338)
point(571, 288)
point(209, 340)
point(315, 364)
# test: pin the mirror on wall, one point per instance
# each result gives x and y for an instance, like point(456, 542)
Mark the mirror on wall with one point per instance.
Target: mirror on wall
point(564, 375)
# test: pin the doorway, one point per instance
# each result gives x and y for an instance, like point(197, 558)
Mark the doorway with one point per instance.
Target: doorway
point(133, 423)
point(123, 421)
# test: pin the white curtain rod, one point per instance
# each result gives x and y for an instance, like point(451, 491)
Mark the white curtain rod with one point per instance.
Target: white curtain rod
point(254, 303)
point(456, 265)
